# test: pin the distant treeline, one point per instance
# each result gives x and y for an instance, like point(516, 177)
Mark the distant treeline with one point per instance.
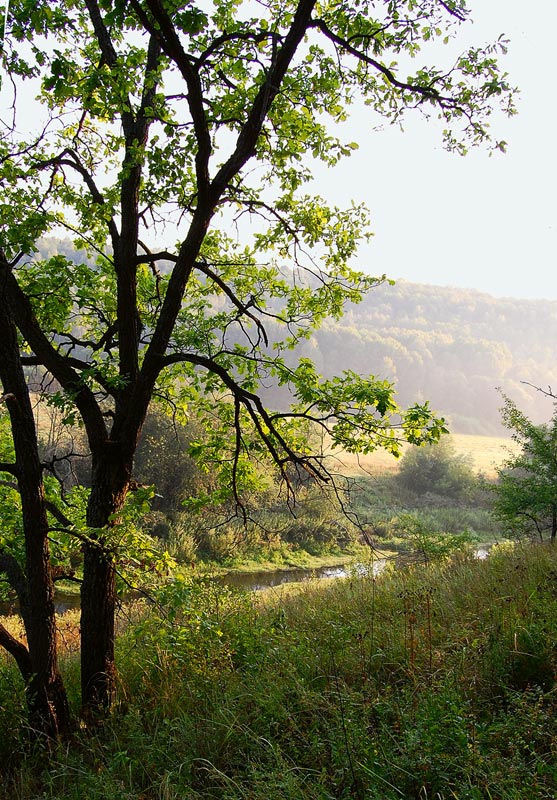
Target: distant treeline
point(453, 347)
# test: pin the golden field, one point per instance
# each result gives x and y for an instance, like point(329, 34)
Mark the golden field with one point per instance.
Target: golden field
point(484, 452)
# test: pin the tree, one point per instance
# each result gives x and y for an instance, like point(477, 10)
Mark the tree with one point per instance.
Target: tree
point(33, 583)
point(437, 469)
point(175, 144)
point(526, 491)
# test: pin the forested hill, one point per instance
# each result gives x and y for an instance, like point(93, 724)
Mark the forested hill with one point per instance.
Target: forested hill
point(450, 346)
point(453, 347)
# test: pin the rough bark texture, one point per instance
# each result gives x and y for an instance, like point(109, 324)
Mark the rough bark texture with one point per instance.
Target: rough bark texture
point(46, 698)
point(98, 591)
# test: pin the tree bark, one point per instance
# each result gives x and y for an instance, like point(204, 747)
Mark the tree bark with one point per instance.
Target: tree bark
point(46, 697)
point(111, 477)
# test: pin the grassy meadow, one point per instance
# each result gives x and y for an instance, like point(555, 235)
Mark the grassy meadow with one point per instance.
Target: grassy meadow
point(484, 452)
point(435, 681)
point(431, 682)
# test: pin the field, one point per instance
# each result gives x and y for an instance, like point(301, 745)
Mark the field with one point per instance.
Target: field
point(485, 453)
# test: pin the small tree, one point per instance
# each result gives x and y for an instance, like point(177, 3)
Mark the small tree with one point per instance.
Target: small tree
point(526, 492)
point(425, 541)
point(437, 469)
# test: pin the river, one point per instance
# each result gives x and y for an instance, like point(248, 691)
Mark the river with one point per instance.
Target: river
point(249, 581)
point(257, 581)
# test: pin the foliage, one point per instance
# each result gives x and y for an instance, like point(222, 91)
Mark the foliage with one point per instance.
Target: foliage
point(426, 682)
point(437, 470)
point(526, 492)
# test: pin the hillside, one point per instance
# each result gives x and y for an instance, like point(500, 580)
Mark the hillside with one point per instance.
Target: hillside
point(453, 347)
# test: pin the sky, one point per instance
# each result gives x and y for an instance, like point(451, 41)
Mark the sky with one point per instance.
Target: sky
point(481, 222)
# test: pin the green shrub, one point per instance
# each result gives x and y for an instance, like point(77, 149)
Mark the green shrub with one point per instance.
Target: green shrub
point(436, 469)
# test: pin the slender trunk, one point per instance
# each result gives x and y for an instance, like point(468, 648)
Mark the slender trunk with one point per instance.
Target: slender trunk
point(553, 523)
point(46, 697)
point(98, 591)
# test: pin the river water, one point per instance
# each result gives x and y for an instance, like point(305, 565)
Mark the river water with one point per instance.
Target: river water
point(249, 581)
point(256, 581)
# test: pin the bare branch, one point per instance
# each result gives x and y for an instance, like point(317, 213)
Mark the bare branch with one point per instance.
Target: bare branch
point(547, 392)
point(14, 573)
point(6, 466)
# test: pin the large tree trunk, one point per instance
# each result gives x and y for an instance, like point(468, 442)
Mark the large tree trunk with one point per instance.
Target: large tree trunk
point(46, 697)
point(98, 605)
point(111, 476)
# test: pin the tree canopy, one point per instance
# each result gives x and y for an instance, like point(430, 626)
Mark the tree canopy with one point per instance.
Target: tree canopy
point(526, 492)
point(175, 142)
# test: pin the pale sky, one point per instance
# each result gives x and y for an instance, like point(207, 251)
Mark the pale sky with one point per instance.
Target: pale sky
point(480, 222)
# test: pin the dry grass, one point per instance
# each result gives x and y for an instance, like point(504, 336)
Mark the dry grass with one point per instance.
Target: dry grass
point(485, 453)
point(68, 627)
point(68, 632)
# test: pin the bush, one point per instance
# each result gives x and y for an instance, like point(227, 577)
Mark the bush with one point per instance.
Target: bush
point(436, 469)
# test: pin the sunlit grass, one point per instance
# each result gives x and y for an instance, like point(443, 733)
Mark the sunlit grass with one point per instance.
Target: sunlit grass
point(424, 683)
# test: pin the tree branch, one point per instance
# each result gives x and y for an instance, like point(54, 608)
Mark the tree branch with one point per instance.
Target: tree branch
point(170, 43)
point(6, 466)
point(19, 652)
point(260, 417)
point(236, 36)
point(249, 134)
point(70, 380)
point(15, 575)
point(204, 268)
point(427, 92)
point(75, 163)
point(454, 12)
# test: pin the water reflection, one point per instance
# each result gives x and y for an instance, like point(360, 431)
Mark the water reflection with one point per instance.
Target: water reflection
point(256, 581)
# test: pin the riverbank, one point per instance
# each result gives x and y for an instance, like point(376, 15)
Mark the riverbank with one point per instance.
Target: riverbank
point(289, 559)
point(433, 681)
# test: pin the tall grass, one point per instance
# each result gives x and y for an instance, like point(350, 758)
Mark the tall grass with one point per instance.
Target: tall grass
point(425, 683)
